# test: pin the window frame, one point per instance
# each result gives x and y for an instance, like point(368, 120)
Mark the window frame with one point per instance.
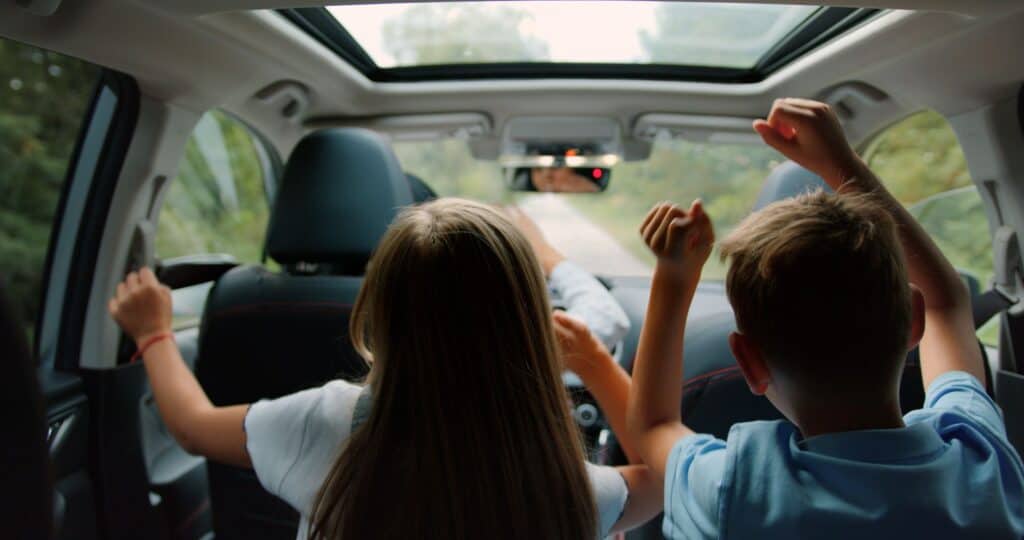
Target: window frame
point(75, 240)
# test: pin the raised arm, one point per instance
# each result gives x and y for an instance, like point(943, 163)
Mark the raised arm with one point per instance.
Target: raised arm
point(809, 133)
point(584, 353)
point(682, 240)
point(142, 307)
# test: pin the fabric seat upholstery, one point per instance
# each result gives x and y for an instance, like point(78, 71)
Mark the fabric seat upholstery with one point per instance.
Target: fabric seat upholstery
point(265, 334)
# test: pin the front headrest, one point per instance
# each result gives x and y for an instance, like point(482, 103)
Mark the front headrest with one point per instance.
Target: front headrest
point(788, 180)
point(421, 191)
point(341, 189)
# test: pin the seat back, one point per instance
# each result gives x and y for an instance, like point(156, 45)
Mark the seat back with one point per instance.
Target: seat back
point(718, 396)
point(264, 334)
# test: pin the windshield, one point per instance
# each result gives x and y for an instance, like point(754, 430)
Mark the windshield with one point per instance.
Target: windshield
point(677, 33)
point(600, 231)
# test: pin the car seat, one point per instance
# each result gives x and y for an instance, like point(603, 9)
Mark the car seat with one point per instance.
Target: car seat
point(266, 334)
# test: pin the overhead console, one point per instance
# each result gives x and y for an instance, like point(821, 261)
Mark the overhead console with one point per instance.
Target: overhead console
point(551, 141)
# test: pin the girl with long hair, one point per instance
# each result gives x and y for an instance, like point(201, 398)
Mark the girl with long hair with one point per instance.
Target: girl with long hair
point(463, 428)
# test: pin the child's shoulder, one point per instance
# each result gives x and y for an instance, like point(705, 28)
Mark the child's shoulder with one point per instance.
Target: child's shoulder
point(958, 399)
point(333, 403)
point(762, 432)
point(764, 437)
point(326, 406)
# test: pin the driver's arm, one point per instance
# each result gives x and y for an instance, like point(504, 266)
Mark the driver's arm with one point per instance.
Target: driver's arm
point(579, 292)
point(587, 299)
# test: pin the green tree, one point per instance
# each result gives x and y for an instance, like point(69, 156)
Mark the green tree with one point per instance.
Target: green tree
point(217, 203)
point(44, 97)
point(919, 157)
point(715, 35)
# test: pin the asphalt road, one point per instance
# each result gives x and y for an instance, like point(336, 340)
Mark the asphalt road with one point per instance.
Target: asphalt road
point(580, 239)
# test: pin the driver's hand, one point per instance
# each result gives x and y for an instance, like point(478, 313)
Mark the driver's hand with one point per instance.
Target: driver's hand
point(581, 351)
point(548, 255)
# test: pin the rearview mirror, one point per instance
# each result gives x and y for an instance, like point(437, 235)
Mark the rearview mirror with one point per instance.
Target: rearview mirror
point(559, 179)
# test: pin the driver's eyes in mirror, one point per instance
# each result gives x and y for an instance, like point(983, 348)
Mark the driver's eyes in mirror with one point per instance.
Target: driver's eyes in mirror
point(560, 179)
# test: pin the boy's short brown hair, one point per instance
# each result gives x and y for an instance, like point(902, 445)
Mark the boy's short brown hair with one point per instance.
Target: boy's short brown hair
point(818, 282)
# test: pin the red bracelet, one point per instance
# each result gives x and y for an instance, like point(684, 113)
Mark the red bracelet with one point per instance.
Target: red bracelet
point(149, 343)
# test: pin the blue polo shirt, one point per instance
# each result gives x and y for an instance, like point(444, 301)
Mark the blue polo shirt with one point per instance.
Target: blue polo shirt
point(950, 473)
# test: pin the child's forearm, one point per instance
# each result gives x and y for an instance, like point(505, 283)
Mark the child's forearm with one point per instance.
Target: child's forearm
point(198, 426)
point(948, 342)
point(929, 270)
point(609, 384)
point(653, 413)
point(177, 394)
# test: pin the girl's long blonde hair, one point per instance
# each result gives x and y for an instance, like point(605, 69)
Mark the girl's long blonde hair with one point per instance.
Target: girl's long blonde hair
point(469, 436)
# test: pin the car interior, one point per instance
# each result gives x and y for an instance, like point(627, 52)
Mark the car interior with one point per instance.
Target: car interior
point(253, 152)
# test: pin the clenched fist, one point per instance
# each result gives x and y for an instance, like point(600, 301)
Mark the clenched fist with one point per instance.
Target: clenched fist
point(681, 239)
point(809, 133)
point(142, 306)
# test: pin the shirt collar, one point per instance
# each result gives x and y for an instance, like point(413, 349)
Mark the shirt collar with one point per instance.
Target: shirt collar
point(873, 445)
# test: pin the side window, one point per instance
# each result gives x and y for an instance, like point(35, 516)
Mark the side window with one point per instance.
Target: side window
point(44, 98)
point(923, 165)
point(217, 204)
point(218, 201)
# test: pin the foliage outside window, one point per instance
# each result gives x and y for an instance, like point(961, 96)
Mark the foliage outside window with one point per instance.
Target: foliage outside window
point(217, 203)
point(44, 98)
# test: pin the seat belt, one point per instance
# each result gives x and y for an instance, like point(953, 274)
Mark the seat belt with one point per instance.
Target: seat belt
point(1004, 298)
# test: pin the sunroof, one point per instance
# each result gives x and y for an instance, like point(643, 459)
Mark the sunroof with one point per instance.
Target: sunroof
point(664, 40)
point(605, 32)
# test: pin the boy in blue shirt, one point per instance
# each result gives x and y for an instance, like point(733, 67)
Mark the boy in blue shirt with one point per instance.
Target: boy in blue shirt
point(825, 312)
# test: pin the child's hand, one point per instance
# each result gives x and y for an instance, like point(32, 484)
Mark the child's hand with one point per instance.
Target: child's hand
point(581, 350)
point(681, 239)
point(809, 133)
point(142, 306)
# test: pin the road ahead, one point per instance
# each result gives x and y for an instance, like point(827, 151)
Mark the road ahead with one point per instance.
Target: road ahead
point(580, 239)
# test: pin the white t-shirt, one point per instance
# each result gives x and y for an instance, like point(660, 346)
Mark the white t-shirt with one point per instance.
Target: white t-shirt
point(294, 440)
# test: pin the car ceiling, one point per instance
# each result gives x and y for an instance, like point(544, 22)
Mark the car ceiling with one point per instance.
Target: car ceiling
point(948, 55)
